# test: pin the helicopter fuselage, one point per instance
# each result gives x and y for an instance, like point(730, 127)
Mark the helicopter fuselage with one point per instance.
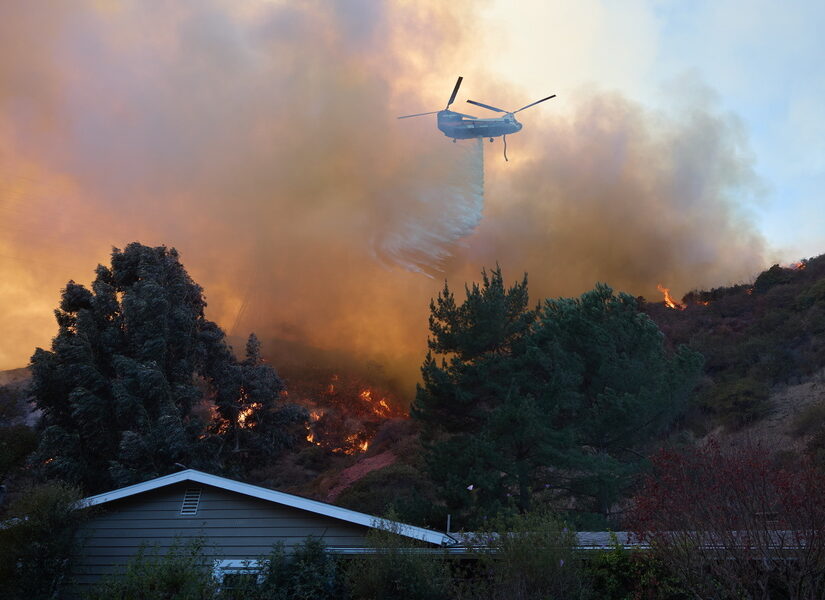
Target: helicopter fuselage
point(457, 127)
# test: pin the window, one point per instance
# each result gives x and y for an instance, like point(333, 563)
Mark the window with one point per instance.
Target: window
point(235, 574)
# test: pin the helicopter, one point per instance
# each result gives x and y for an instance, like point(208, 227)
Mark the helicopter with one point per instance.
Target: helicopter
point(459, 126)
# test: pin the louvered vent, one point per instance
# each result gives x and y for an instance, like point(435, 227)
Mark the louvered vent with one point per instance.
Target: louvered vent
point(191, 499)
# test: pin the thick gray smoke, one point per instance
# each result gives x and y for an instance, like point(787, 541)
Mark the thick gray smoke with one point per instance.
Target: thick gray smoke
point(261, 141)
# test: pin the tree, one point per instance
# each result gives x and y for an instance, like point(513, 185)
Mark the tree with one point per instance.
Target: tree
point(251, 416)
point(133, 358)
point(623, 388)
point(479, 422)
point(560, 398)
point(37, 538)
point(17, 440)
point(735, 523)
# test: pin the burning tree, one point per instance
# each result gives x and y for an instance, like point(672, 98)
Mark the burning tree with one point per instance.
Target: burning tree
point(557, 400)
point(735, 523)
point(133, 358)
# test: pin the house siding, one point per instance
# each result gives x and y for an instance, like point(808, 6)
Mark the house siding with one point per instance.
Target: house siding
point(230, 526)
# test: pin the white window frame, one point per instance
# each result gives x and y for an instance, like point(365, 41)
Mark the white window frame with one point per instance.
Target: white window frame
point(236, 566)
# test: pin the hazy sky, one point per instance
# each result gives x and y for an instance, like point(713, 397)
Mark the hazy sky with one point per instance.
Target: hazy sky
point(259, 138)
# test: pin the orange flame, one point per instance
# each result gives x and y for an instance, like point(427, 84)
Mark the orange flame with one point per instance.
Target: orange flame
point(244, 414)
point(669, 301)
point(381, 408)
point(354, 443)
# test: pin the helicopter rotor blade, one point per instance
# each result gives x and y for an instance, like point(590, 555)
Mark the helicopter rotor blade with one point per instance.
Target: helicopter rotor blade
point(420, 114)
point(487, 106)
point(534, 103)
point(455, 92)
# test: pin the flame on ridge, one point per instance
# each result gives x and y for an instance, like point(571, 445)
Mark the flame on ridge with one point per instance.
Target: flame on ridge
point(669, 301)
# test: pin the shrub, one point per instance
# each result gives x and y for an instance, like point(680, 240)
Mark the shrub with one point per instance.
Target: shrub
point(621, 574)
point(308, 573)
point(182, 573)
point(735, 524)
point(739, 402)
point(524, 557)
point(36, 541)
point(398, 568)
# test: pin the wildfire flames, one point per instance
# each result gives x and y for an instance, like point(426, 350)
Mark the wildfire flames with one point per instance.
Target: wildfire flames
point(669, 301)
point(344, 412)
point(244, 414)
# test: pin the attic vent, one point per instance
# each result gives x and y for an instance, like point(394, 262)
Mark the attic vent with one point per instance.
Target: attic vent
point(191, 499)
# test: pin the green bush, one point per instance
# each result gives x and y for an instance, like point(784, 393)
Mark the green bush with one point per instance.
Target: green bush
point(36, 541)
point(308, 573)
point(776, 275)
point(398, 568)
point(182, 573)
point(621, 574)
point(526, 557)
point(739, 402)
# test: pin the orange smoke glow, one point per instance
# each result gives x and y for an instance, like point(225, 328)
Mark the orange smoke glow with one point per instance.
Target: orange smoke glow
point(669, 301)
point(320, 217)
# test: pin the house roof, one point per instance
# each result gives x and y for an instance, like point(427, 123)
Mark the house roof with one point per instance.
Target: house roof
point(254, 491)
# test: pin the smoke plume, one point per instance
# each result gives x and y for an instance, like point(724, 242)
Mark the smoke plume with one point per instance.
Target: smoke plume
point(261, 141)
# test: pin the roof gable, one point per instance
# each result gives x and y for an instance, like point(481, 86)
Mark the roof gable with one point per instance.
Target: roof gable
point(254, 491)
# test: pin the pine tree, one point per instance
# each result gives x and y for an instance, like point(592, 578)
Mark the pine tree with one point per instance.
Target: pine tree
point(536, 402)
point(133, 358)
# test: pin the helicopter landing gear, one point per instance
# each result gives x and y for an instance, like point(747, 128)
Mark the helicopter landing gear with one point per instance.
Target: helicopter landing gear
point(453, 140)
point(491, 140)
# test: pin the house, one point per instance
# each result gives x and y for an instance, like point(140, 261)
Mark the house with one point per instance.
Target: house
point(237, 522)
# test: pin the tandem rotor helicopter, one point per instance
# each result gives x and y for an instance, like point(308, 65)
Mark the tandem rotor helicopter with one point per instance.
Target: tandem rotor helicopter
point(459, 126)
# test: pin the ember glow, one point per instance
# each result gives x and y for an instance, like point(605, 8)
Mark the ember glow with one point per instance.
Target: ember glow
point(246, 412)
point(669, 301)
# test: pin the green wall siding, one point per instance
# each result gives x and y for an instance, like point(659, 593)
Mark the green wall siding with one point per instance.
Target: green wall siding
point(231, 526)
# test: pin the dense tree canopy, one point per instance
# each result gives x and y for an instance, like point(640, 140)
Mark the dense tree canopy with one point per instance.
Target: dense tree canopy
point(121, 389)
point(545, 402)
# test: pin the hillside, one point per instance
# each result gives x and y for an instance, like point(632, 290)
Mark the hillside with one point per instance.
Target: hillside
point(757, 339)
point(764, 373)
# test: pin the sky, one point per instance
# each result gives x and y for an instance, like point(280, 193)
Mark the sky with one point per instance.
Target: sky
point(760, 60)
point(684, 147)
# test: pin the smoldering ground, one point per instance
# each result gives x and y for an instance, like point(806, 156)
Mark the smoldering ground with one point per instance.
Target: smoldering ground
point(260, 140)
